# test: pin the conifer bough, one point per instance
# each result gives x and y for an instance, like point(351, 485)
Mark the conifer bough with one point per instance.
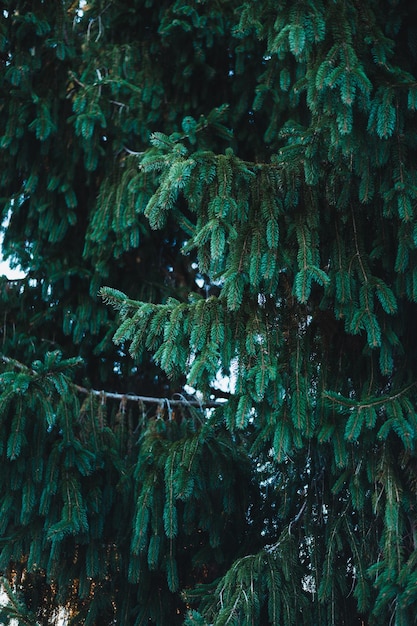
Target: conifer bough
point(238, 180)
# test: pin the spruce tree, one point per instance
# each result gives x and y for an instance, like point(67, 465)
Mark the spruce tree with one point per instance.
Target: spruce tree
point(238, 180)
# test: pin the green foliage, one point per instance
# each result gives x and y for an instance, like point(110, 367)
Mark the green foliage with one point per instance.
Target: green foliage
point(256, 585)
point(170, 474)
point(238, 180)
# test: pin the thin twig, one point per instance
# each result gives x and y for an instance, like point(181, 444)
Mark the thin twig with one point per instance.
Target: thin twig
point(130, 397)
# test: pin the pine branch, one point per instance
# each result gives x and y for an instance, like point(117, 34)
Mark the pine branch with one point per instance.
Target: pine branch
point(180, 400)
point(372, 402)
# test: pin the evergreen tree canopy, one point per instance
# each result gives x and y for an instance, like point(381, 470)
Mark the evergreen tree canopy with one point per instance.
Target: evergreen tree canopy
point(237, 180)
